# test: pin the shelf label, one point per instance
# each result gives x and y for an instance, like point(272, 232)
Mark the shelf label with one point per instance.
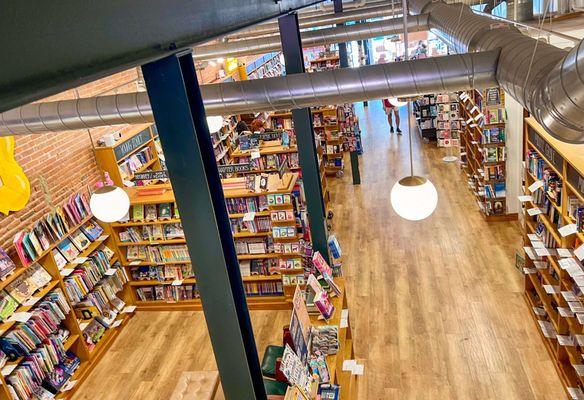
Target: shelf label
point(110, 271)
point(575, 179)
point(579, 252)
point(66, 271)
point(535, 185)
point(234, 168)
point(128, 309)
point(132, 144)
point(20, 317)
point(546, 149)
point(534, 211)
point(117, 323)
point(568, 230)
point(151, 175)
point(523, 199)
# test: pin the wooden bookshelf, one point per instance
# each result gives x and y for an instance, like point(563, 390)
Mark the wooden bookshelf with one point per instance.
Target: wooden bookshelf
point(75, 342)
point(548, 286)
point(276, 186)
point(138, 139)
point(476, 148)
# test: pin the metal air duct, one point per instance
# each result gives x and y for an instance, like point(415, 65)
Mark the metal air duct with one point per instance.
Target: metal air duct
point(271, 28)
point(345, 85)
point(546, 80)
point(320, 37)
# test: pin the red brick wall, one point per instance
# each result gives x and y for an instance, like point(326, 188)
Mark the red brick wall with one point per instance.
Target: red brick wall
point(64, 159)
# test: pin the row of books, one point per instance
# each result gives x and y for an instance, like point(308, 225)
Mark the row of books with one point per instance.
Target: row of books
point(333, 149)
point(254, 246)
point(320, 119)
point(152, 233)
point(246, 204)
point(168, 293)
point(135, 162)
point(85, 277)
point(576, 211)
point(494, 154)
point(271, 161)
point(272, 288)
point(494, 172)
point(154, 212)
point(51, 228)
point(262, 267)
point(494, 115)
point(496, 190)
point(162, 272)
point(22, 289)
point(284, 232)
point(98, 301)
point(287, 248)
point(493, 135)
point(258, 224)
point(158, 254)
point(545, 236)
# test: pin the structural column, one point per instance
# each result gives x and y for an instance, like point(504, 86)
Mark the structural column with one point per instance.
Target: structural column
point(344, 60)
point(178, 110)
point(294, 60)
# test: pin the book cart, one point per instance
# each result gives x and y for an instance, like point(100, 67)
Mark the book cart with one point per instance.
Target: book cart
point(483, 151)
point(94, 308)
point(553, 236)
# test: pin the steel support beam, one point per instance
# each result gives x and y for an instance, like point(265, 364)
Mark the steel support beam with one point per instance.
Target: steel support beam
point(307, 155)
point(179, 114)
point(344, 60)
point(50, 46)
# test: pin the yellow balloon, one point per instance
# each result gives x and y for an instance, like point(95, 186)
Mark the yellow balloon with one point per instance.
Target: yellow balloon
point(14, 185)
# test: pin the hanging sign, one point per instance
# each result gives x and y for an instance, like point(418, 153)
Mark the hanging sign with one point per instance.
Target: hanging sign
point(575, 179)
point(132, 144)
point(234, 168)
point(546, 149)
point(151, 175)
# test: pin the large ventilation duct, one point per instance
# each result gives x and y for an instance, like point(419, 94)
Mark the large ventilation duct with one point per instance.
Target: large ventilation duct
point(320, 37)
point(271, 28)
point(546, 80)
point(321, 8)
point(345, 85)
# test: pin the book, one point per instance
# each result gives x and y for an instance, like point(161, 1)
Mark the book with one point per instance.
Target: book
point(7, 305)
point(6, 264)
point(80, 240)
point(138, 212)
point(59, 259)
point(92, 230)
point(68, 250)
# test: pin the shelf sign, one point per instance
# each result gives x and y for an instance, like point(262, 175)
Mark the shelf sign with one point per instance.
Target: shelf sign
point(270, 135)
point(130, 145)
point(575, 179)
point(234, 168)
point(493, 96)
point(151, 175)
point(546, 149)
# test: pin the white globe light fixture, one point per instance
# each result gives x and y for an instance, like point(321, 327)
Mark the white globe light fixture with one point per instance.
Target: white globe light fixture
point(109, 203)
point(414, 198)
point(215, 123)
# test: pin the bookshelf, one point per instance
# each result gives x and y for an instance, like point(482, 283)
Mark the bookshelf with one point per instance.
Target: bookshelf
point(138, 150)
point(483, 150)
point(269, 232)
point(93, 313)
point(326, 61)
point(553, 268)
point(426, 111)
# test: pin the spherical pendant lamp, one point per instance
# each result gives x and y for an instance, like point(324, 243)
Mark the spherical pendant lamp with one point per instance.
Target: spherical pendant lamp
point(109, 203)
point(215, 123)
point(414, 198)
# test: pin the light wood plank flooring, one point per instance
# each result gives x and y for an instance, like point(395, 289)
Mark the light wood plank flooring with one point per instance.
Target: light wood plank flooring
point(436, 306)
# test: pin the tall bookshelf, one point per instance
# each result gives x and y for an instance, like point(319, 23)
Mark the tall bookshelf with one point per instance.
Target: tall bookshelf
point(272, 262)
point(554, 180)
point(91, 330)
point(483, 150)
point(426, 111)
point(326, 61)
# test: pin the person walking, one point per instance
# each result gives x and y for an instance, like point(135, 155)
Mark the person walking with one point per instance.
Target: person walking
point(391, 108)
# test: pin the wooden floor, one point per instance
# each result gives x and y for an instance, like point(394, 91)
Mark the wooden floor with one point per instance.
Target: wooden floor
point(436, 306)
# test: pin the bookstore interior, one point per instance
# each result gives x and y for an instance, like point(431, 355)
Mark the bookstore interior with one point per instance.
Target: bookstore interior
point(239, 222)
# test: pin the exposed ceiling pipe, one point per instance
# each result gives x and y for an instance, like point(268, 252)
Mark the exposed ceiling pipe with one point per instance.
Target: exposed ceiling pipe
point(322, 8)
point(271, 28)
point(319, 37)
point(345, 85)
point(546, 80)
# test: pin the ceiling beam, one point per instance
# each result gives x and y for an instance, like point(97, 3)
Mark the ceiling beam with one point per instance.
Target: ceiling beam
point(52, 46)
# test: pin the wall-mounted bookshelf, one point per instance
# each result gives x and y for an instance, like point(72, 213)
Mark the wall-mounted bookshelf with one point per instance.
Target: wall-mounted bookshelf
point(483, 150)
point(67, 296)
point(269, 235)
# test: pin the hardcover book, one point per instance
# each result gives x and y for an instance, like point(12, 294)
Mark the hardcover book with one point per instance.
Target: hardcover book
point(6, 264)
point(68, 250)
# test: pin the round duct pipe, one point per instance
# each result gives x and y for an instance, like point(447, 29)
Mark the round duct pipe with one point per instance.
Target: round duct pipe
point(346, 85)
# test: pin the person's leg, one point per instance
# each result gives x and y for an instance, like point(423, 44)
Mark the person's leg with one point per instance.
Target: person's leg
point(388, 112)
point(396, 114)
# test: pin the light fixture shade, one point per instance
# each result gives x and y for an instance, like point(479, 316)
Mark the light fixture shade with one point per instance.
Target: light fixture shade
point(395, 102)
point(214, 123)
point(414, 198)
point(109, 204)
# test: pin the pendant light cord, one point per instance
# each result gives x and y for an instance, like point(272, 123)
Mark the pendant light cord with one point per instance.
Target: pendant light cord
point(405, 12)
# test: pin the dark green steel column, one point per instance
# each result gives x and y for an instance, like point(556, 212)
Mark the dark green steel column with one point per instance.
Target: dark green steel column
point(178, 110)
point(344, 59)
point(294, 61)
